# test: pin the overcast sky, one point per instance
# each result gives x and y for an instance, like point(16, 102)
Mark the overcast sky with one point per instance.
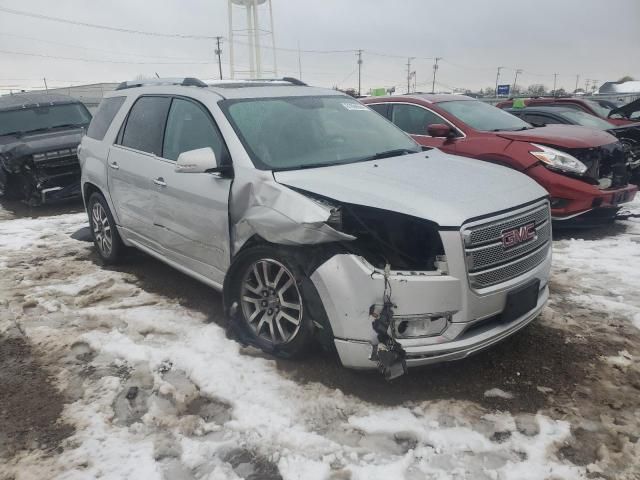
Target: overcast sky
point(597, 39)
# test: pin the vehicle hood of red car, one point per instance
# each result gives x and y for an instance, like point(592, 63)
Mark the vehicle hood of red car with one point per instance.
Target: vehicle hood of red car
point(569, 136)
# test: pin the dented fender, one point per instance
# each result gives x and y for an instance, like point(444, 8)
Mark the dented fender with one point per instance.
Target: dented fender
point(260, 206)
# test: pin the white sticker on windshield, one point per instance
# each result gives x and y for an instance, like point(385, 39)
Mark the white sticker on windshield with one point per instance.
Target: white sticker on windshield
point(354, 106)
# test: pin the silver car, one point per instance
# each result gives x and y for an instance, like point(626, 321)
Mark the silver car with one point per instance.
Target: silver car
point(318, 219)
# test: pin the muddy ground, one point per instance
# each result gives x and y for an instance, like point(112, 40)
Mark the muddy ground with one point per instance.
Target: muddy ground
point(557, 366)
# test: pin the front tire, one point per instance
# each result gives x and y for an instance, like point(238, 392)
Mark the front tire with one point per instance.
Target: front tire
point(267, 302)
point(103, 229)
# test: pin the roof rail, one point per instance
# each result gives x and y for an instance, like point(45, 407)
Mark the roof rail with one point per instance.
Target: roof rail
point(185, 82)
point(248, 82)
point(295, 81)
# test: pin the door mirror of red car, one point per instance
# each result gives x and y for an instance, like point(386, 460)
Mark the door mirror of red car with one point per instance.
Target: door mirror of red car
point(440, 130)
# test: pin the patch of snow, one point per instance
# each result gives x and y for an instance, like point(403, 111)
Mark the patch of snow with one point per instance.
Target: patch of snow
point(169, 395)
point(496, 392)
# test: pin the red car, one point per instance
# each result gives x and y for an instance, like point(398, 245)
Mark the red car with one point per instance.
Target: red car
point(584, 170)
point(603, 109)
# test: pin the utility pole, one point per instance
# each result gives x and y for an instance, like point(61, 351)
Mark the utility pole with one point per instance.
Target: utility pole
point(45, 85)
point(555, 79)
point(577, 80)
point(515, 80)
point(435, 69)
point(359, 71)
point(409, 74)
point(219, 53)
point(586, 85)
point(594, 85)
point(498, 79)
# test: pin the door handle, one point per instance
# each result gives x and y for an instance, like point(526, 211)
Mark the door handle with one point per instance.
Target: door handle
point(160, 181)
point(114, 165)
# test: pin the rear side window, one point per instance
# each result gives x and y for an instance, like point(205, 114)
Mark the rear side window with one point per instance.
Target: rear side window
point(145, 125)
point(381, 108)
point(104, 116)
point(413, 119)
point(189, 127)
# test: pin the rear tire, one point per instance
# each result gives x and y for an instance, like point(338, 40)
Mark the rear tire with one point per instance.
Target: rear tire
point(267, 304)
point(103, 229)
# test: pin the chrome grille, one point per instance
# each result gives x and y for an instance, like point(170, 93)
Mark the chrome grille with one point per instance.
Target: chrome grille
point(489, 263)
point(490, 232)
point(491, 254)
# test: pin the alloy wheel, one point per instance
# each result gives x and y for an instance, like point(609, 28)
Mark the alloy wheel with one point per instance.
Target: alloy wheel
point(101, 229)
point(271, 301)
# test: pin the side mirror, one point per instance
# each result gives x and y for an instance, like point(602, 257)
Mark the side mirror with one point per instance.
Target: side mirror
point(202, 160)
point(440, 130)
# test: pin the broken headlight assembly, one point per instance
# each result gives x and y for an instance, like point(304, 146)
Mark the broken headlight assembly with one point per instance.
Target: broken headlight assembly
point(557, 160)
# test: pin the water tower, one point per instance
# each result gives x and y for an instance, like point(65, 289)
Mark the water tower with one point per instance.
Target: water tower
point(246, 35)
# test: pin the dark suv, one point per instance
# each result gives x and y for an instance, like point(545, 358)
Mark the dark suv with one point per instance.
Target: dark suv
point(39, 136)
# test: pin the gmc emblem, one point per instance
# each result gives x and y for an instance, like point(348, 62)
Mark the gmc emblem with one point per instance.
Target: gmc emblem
point(518, 235)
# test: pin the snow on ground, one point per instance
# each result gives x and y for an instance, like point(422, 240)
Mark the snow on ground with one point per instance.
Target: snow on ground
point(163, 394)
point(605, 273)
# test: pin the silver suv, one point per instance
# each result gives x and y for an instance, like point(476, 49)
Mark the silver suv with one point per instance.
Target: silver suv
point(318, 219)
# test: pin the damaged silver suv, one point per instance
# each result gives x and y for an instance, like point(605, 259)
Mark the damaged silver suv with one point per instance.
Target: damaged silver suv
point(318, 219)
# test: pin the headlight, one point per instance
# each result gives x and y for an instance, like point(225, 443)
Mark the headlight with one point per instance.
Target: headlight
point(558, 160)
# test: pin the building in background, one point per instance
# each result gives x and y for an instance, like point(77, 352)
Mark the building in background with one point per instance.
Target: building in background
point(631, 86)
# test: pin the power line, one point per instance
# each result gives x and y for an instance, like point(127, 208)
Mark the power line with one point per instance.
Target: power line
point(68, 45)
point(104, 27)
point(91, 60)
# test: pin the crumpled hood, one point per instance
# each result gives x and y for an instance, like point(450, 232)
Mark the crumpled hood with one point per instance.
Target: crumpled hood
point(569, 136)
point(446, 189)
point(15, 147)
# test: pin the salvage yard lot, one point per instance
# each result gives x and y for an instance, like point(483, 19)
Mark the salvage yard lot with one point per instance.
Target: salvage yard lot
point(127, 372)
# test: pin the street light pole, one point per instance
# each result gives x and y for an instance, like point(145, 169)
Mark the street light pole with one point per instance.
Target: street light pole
point(498, 79)
point(555, 78)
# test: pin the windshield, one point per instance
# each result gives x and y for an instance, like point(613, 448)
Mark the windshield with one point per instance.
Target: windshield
point(299, 132)
point(483, 117)
point(598, 108)
point(43, 118)
point(586, 119)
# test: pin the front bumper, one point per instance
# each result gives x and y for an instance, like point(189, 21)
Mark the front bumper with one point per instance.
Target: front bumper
point(571, 198)
point(348, 286)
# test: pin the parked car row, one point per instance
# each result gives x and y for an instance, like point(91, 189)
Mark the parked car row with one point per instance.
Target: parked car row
point(585, 171)
point(322, 220)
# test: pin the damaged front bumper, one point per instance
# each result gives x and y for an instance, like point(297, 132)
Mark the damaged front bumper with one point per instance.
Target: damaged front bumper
point(348, 286)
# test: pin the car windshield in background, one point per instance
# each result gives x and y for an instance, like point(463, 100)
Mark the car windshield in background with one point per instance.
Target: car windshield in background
point(27, 120)
point(304, 132)
point(598, 108)
point(484, 117)
point(586, 119)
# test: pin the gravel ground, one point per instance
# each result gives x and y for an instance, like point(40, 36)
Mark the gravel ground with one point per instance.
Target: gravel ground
point(575, 366)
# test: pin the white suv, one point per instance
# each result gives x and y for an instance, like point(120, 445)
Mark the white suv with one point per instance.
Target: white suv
point(318, 219)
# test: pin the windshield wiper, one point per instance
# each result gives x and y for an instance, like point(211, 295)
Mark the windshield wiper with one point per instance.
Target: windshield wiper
point(391, 153)
point(46, 129)
point(510, 129)
point(387, 154)
point(309, 165)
